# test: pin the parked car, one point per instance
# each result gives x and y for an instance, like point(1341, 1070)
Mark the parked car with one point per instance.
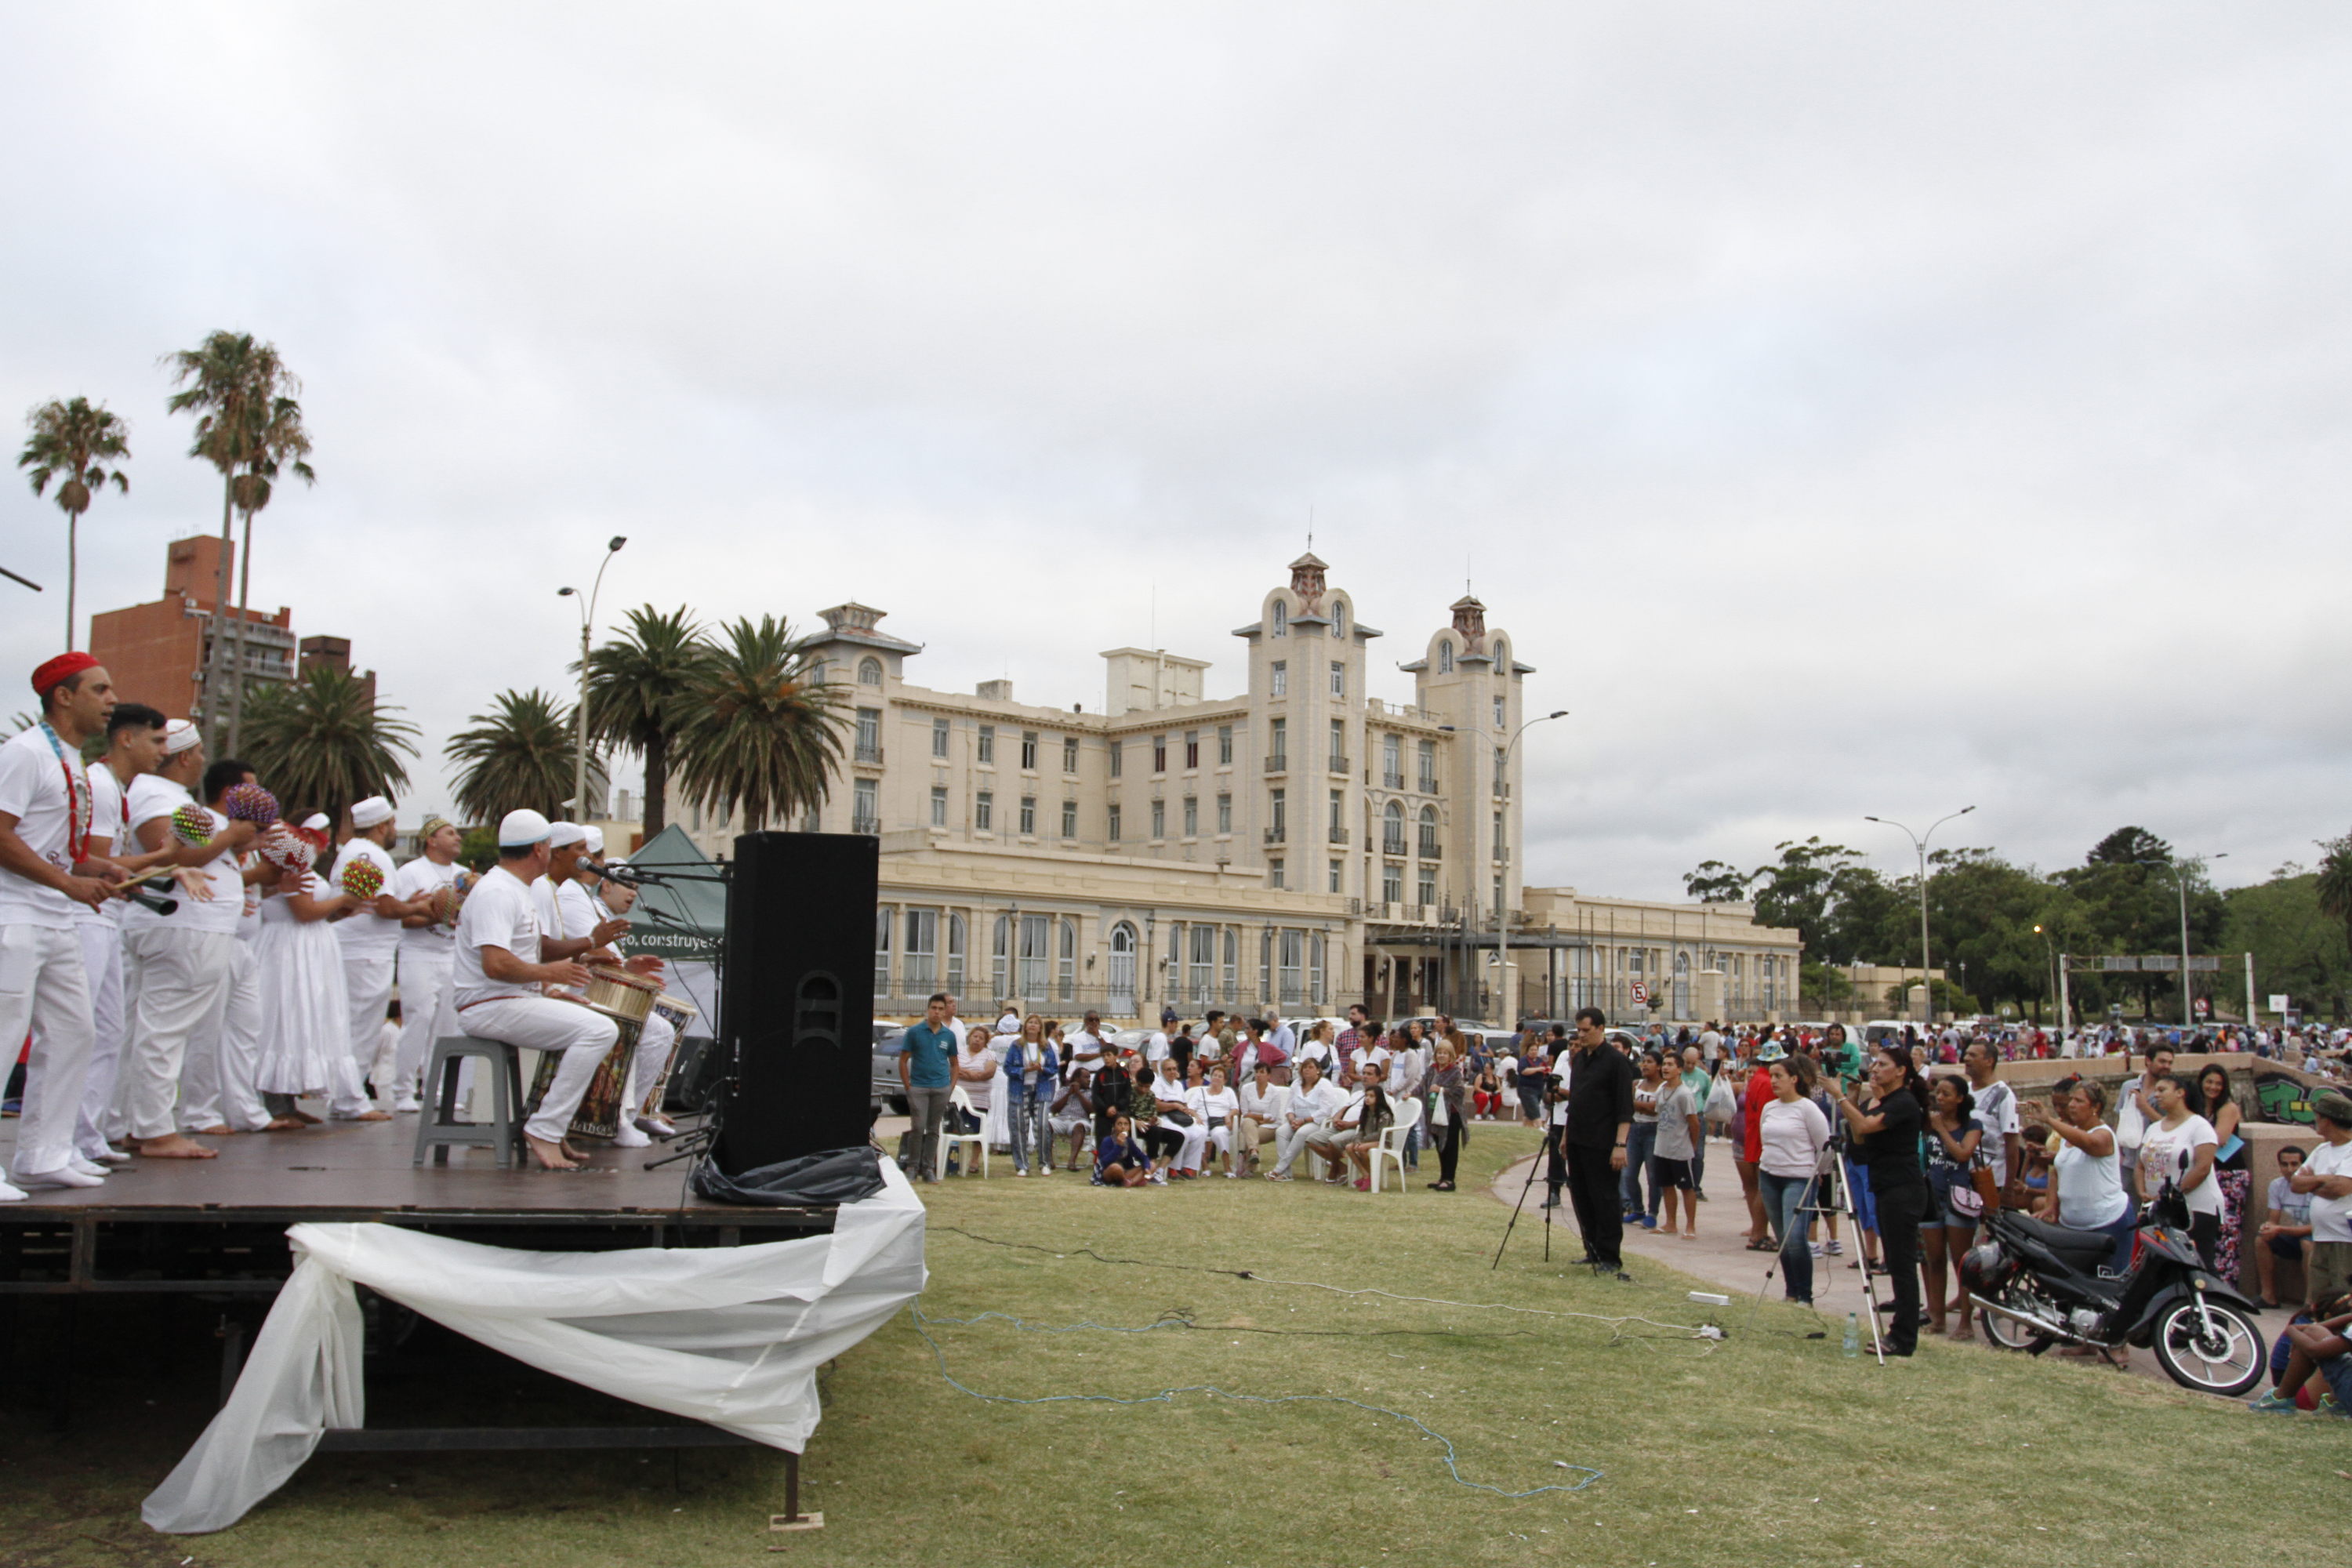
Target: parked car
point(889, 1094)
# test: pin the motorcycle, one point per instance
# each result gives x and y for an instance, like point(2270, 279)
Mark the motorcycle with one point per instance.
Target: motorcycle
point(2038, 1284)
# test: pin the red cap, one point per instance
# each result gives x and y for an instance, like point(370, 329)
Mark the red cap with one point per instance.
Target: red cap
point(59, 671)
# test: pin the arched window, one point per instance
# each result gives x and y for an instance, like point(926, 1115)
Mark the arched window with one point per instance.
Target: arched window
point(1315, 967)
point(1281, 618)
point(955, 956)
point(1000, 964)
point(1340, 619)
point(869, 672)
point(1392, 828)
point(1429, 833)
point(1501, 657)
point(1122, 968)
point(1066, 965)
point(1445, 658)
point(882, 951)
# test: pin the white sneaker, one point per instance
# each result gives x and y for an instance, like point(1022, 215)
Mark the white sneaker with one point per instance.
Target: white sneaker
point(628, 1137)
point(12, 1195)
point(87, 1167)
point(67, 1177)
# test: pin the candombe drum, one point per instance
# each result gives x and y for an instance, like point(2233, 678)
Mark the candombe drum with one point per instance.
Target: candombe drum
point(626, 999)
point(680, 1013)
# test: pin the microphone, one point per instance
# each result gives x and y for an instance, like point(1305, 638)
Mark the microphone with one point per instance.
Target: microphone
point(627, 876)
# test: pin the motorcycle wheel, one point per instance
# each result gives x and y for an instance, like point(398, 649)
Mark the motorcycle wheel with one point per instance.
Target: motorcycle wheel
point(2008, 1333)
point(2228, 1361)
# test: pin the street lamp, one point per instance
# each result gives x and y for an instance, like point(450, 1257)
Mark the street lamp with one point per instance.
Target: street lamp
point(587, 619)
point(2180, 885)
point(2058, 976)
point(1919, 842)
point(1503, 913)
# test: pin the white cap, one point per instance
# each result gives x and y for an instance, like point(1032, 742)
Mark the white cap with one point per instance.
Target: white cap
point(317, 822)
point(522, 829)
point(179, 735)
point(595, 840)
point(368, 813)
point(560, 834)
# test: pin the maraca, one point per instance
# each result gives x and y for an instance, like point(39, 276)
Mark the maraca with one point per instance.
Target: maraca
point(250, 803)
point(362, 878)
point(192, 824)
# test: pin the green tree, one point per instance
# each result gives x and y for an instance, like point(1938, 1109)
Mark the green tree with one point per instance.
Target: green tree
point(765, 735)
point(239, 390)
point(1715, 882)
point(276, 443)
point(2299, 944)
point(517, 757)
point(72, 442)
point(320, 740)
point(2333, 886)
point(642, 690)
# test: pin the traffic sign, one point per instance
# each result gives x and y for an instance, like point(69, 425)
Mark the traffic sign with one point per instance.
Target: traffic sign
point(2204, 1007)
point(1641, 992)
point(2278, 1002)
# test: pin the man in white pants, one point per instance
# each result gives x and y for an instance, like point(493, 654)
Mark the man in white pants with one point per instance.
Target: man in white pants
point(370, 938)
point(134, 744)
point(496, 980)
point(610, 899)
point(44, 875)
point(178, 968)
point(1312, 1105)
point(426, 949)
point(568, 912)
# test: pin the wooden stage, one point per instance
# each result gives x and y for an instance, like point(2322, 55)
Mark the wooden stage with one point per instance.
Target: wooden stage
point(218, 1227)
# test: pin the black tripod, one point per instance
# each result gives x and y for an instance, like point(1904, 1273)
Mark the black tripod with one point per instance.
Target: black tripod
point(1543, 1160)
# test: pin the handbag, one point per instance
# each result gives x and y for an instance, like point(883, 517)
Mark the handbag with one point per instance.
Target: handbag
point(1177, 1118)
point(1439, 1114)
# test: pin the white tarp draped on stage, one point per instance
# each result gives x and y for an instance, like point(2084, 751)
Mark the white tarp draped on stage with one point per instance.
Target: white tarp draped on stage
point(729, 1335)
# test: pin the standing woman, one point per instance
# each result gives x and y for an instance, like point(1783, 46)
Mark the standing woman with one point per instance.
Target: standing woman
point(1954, 1141)
point(2180, 1146)
point(1640, 1144)
point(1792, 1133)
point(1889, 1128)
point(305, 1022)
point(2233, 1164)
point(1031, 1072)
point(1449, 1107)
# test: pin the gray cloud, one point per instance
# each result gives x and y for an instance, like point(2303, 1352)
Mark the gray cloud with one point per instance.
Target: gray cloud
point(1848, 411)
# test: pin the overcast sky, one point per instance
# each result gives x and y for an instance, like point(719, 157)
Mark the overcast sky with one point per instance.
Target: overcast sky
point(1847, 408)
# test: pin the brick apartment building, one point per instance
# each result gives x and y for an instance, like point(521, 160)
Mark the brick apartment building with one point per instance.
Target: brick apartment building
point(156, 652)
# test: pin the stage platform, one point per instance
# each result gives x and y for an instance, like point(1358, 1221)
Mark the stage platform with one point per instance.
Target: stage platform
point(218, 1227)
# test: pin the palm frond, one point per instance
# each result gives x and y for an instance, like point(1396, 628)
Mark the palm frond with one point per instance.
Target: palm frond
point(518, 756)
point(766, 737)
point(317, 741)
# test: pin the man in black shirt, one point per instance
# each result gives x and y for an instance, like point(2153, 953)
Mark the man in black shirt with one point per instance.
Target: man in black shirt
point(1600, 1119)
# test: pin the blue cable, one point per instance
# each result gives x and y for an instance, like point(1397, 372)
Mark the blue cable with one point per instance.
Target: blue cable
point(1167, 1395)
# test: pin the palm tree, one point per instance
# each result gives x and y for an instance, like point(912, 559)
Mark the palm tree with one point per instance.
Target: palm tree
point(765, 736)
point(75, 439)
point(235, 386)
point(2334, 884)
point(323, 741)
point(277, 442)
point(518, 755)
point(641, 689)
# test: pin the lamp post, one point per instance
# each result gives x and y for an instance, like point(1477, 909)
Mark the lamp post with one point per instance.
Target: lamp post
point(2057, 976)
point(587, 619)
point(2180, 886)
point(1502, 912)
point(1919, 842)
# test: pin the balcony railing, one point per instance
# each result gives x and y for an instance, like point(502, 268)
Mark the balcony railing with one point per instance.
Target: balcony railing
point(1428, 783)
point(1429, 849)
point(1502, 790)
point(1339, 762)
point(1393, 845)
point(872, 753)
point(1277, 763)
point(1392, 781)
point(869, 824)
point(1274, 836)
point(1338, 836)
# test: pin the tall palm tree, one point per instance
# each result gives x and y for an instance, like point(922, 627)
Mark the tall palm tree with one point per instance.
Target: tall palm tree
point(233, 384)
point(765, 736)
point(641, 689)
point(320, 742)
point(71, 442)
point(277, 443)
point(2334, 884)
point(519, 755)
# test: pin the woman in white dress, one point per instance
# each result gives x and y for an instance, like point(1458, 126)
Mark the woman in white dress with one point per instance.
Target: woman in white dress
point(306, 1045)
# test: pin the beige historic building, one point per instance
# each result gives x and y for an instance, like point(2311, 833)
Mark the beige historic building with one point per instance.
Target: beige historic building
point(1302, 844)
point(1693, 962)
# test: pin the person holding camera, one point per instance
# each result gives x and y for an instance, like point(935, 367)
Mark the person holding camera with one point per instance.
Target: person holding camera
point(1888, 1128)
point(1595, 1119)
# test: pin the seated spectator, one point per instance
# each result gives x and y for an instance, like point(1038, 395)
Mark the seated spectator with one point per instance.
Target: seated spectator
point(1143, 1113)
point(1329, 1142)
point(1374, 1116)
point(1258, 1121)
point(1487, 1089)
point(1213, 1106)
point(1119, 1161)
point(1313, 1103)
point(2315, 1347)
point(2285, 1228)
point(1171, 1095)
point(1071, 1115)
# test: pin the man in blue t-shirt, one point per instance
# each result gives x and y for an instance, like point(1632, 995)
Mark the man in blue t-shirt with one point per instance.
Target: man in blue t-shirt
point(927, 1070)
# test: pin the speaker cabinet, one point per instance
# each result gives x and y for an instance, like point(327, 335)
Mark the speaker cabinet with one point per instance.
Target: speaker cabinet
point(798, 996)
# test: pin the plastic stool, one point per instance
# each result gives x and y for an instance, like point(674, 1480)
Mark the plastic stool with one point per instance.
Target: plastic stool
point(437, 1127)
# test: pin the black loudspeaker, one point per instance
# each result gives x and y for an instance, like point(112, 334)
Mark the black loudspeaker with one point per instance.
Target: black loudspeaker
point(797, 1001)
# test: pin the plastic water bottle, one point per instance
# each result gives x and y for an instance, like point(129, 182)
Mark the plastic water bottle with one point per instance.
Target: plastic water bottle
point(1853, 1335)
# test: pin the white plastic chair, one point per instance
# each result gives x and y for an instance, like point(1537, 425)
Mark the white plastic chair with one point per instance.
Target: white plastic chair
point(958, 1101)
point(1391, 1143)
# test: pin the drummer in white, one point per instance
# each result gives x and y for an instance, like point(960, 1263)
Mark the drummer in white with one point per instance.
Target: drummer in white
point(498, 977)
point(45, 826)
point(426, 950)
point(568, 910)
point(371, 936)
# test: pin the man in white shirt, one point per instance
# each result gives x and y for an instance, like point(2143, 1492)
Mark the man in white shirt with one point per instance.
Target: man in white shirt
point(1155, 1044)
point(497, 976)
point(1313, 1103)
point(134, 744)
point(2327, 1175)
point(44, 875)
point(1085, 1046)
point(370, 936)
point(426, 950)
point(178, 969)
point(1996, 1108)
point(568, 913)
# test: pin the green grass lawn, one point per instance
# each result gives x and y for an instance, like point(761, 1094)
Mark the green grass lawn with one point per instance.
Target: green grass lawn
point(1767, 1447)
